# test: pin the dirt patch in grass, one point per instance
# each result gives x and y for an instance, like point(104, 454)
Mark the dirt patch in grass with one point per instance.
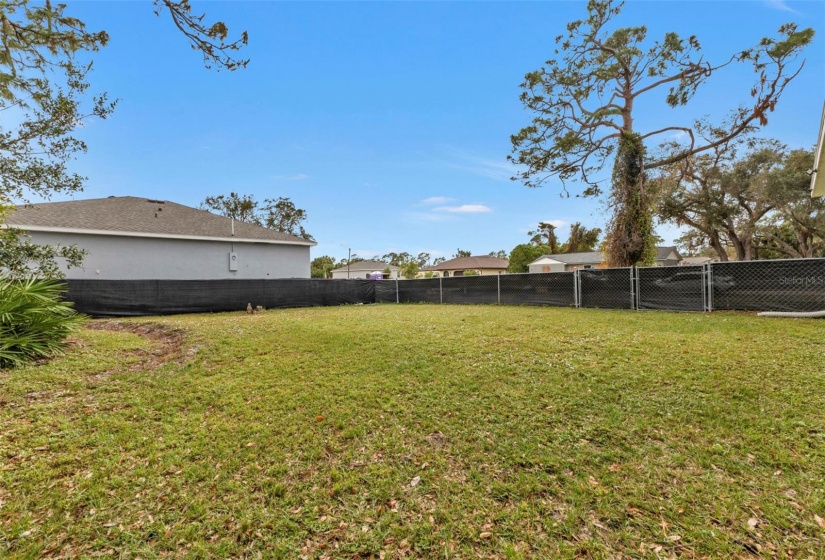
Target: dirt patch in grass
point(169, 343)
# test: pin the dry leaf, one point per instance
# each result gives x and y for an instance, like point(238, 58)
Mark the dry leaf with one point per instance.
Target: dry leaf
point(485, 535)
point(752, 523)
point(415, 481)
point(819, 521)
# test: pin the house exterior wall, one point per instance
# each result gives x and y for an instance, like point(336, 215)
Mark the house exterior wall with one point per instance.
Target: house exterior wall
point(547, 267)
point(113, 257)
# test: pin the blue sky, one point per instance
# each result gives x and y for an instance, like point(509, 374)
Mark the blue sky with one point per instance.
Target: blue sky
point(388, 122)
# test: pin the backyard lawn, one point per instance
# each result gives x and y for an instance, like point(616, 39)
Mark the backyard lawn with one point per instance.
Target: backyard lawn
point(420, 431)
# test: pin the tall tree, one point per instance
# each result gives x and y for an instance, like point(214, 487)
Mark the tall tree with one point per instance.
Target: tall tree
point(585, 104)
point(498, 254)
point(278, 214)
point(545, 235)
point(423, 259)
point(396, 259)
point(462, 253)
point(582, 239)
point(45, 87)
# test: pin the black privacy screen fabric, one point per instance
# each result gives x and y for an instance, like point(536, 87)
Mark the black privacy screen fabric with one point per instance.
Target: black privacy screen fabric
point(120, 298)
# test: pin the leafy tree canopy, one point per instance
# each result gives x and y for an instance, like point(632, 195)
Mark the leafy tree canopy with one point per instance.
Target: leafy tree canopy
point(522, 255)
point(278, 214)
point(744, 196)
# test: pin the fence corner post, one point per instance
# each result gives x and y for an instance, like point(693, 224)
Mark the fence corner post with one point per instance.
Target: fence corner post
point(498, 288)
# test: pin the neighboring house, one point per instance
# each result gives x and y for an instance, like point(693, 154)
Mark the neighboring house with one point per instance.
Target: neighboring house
point(483, 266)
point(567, 261)
point(363, 270)
point(665, 256)
point(131, 238)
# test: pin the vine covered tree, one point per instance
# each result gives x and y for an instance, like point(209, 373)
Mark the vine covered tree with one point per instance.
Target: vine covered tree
point(585, 102)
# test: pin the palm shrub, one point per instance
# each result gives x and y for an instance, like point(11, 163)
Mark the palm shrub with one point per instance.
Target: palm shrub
point(34, 320)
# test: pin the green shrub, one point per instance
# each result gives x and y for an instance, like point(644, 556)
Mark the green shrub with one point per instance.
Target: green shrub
point(34, 321)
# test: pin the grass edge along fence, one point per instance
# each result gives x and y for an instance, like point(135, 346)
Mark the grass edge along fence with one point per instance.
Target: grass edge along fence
point(769, 285)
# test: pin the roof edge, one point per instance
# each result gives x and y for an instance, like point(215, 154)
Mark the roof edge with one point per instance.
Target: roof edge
point(49, 229)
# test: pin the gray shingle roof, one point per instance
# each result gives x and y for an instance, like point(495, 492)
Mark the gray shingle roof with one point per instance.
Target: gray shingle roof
point(367, 265)
point(140, 216)
point(663, 252)
point(463, 263)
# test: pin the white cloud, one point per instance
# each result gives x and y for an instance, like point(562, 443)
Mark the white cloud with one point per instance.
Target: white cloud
point(433, 200)
point(780, 5)
point(464, 209)
point(296, 177)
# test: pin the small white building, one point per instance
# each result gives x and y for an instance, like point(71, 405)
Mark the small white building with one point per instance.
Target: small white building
point(365, 269)
point(131, 238)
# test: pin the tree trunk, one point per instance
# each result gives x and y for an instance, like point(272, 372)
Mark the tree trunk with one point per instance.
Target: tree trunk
point(630, 232)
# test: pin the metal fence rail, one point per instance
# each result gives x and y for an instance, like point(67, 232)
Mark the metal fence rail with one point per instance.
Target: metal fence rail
point(775, 285)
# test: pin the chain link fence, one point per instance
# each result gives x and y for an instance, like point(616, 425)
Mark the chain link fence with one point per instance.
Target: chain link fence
point(547, 288)
point(677, 288)
point(606, 288)
point(775, 285)
point(120, 298)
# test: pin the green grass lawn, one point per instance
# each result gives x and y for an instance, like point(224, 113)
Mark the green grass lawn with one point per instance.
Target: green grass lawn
point(422, 431)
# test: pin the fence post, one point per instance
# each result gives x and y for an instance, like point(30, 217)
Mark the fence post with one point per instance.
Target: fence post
point(710, 286)
point(397, 298)
point(440, 291)
point(498, 288)
point(577, 297)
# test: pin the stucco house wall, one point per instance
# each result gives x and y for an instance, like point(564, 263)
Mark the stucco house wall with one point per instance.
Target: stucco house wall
point(113, 257)
point(546, 265)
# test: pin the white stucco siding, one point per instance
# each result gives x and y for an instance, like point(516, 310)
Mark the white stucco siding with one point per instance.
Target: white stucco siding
point(114, 257)
point(547, 266)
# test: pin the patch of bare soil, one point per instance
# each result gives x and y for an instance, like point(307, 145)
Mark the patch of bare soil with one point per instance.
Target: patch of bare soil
point(169, 343)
